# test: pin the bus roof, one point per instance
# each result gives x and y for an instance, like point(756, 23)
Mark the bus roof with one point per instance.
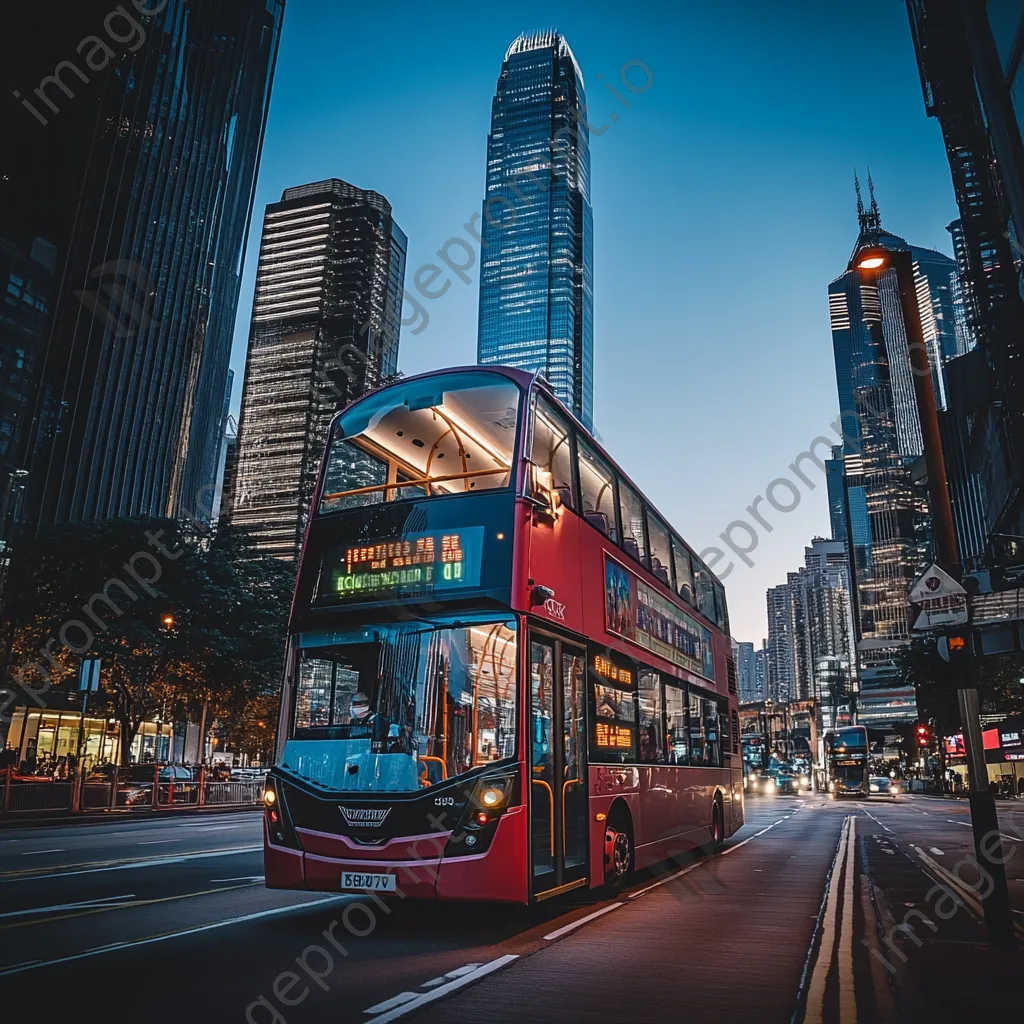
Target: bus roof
point(526, 380)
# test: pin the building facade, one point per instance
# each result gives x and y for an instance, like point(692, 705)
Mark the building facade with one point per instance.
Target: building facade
point(970, 58)
point(325, 329)
point(137, 165)
point(536, 280)
point(746, 673)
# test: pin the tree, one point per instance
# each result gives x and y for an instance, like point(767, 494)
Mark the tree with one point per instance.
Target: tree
point(177, 618)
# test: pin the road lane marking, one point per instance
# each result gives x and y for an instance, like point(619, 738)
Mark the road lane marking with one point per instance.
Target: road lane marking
point(114, 946)
point(731, 849)
point(457, 973)
point(390, 1004)
point(241, 878)
point(443, 990)
point(814, 1012)
point(847, 990)
point(665, 881)
point(99, 901)
point(573, 925)
point(873, 818)
point(937, 851)
point(156, 842)
point(967, 824)
point(39, 853)
point(63, 871)
point(88, 912)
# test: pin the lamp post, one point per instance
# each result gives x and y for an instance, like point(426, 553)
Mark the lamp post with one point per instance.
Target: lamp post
point(872, 261)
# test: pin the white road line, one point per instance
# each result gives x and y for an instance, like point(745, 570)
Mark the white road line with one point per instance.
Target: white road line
point(733, 849)
point(438, 993)
point(936, 850)
point(390, 1004)
point(665, 881)
point(457, 973)
point(39, 853)
point(99, 902)
point(573, 925)
point(146, 862)
point(823, 962)
point(241, 878)
point(156, 842)
point(33, 964)
point(967, 824)
point(873, 818)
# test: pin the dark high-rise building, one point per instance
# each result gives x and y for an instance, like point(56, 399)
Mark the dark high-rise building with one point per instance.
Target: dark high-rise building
point(886, 521)
point(325, 328)
point(536, 279)
point(971, 57)
point(132, 140)
point(836, 497)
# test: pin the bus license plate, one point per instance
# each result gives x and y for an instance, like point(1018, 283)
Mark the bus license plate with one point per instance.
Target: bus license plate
point(356, 880)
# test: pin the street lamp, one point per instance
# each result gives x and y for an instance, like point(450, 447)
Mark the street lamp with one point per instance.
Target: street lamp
point(872, 261)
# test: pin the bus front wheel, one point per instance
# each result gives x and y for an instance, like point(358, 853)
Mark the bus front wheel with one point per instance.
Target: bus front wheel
point(618, 852)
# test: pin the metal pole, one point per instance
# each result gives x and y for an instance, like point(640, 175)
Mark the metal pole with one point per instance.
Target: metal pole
point(984, 821)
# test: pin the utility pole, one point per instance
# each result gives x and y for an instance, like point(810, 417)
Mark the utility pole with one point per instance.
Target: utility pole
point(984, 820)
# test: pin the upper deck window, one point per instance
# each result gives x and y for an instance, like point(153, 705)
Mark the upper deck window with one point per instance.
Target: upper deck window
point(661, 552)
point(552, 455)
point(450, 434)
point(597, 489)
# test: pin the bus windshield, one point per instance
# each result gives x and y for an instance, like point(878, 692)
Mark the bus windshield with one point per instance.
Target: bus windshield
point(394, 707)
point(446, 434)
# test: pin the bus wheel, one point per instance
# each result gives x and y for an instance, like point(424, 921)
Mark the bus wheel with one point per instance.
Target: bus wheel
point(618, 853)
point(717, 828)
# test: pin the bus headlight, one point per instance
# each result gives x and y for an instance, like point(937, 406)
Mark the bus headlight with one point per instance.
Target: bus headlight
point(492, 797)
point(269, 797)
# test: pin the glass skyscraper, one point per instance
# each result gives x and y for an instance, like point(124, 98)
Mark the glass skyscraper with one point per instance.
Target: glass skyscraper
point(133, 165)
point(536, 280)
point(325, 328)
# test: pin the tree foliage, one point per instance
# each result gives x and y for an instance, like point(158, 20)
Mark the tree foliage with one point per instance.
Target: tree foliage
point(179, 619)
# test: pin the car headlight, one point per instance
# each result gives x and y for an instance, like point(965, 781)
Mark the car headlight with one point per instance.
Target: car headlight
point(895, 790)
point(769, 783)
point(874, 789)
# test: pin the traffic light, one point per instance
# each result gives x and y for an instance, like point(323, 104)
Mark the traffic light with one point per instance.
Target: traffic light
point(923, 734)
point(167, 622)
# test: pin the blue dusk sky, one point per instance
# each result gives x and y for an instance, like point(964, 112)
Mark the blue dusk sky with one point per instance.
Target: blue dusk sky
point(723, 206)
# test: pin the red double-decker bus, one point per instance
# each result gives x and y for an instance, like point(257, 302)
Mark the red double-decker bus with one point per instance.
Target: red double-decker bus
point(507, 676)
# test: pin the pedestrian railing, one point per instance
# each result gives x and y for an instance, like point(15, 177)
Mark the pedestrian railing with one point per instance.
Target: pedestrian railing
point(25, 795)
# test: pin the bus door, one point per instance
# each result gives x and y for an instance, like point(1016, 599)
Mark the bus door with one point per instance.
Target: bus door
point(558, 797)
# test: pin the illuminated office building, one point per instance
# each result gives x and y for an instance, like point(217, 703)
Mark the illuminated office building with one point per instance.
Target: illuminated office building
point(136, 164)
point(325, 329)
point(536, 278)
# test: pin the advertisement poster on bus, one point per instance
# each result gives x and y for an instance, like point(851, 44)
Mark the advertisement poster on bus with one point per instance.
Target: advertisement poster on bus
point(638, 613)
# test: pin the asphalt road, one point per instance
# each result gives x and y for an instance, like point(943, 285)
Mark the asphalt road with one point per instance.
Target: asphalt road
point(798, 919)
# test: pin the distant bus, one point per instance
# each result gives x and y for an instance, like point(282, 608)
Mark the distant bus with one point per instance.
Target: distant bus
point(847, 761)
point(507, 676)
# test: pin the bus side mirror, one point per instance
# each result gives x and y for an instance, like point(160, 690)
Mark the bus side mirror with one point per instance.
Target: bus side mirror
point(539, 594)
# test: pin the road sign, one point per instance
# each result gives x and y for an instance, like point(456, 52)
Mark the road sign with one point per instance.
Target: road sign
point(89, 677)
point(938, 600)
point(935, 583)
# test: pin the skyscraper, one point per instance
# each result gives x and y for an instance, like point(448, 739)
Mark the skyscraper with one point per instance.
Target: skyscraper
point(971, 62)
point(536, 279)
point(746, 673)
point(135, 162)
point(886, 516)
point(325, 329)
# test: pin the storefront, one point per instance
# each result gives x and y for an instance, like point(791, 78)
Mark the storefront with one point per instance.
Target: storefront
point(41, 738)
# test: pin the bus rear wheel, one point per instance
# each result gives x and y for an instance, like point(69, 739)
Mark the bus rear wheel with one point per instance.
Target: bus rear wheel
point(717, 828)
point(618, 853)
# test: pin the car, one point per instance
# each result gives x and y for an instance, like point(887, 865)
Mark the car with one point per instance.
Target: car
point(882, 785)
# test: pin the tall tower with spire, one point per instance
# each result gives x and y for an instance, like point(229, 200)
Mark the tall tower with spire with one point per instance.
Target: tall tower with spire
point(536, 280)
point(886, 521)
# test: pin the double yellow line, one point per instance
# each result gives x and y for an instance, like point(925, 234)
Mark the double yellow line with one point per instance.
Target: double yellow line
point(837, 926)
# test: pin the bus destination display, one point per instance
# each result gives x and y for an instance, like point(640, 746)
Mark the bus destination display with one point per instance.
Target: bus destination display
point(415, 563)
